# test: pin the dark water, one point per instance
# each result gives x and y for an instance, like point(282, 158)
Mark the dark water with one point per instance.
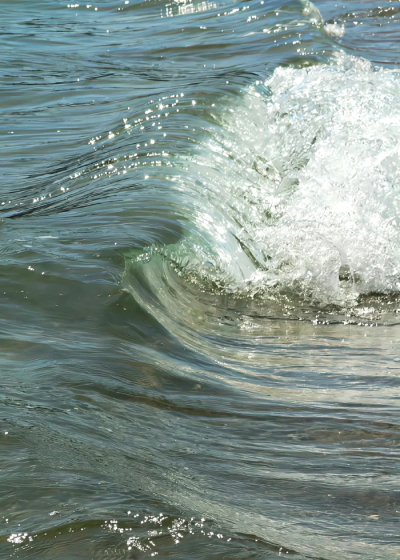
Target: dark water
point(199, 280)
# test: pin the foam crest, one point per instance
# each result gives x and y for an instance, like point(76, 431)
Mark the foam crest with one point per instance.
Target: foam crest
point(303, 179)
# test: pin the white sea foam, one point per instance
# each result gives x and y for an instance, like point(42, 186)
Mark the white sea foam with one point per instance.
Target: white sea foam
point(305, 174)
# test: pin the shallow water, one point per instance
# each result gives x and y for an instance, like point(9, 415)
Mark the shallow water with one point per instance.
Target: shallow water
point(199, 280)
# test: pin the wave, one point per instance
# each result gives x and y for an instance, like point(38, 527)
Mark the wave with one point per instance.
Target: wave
point(297, 191)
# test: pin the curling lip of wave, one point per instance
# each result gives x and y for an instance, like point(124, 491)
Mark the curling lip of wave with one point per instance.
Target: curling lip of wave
point(299, 187)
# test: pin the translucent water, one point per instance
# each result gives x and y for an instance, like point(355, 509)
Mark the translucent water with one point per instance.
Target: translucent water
point(199, 280)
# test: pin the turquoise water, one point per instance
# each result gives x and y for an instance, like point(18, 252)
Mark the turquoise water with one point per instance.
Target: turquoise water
point(199, 280)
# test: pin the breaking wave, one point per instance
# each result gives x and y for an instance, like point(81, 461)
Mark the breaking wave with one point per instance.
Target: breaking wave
point(296, 192)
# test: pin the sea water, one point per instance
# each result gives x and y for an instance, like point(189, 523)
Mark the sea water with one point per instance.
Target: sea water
point(200, 279)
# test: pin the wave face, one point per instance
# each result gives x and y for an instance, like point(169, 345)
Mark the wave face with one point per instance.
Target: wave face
point(298, 189)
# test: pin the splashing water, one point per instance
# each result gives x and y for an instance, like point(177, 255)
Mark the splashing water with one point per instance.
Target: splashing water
point(299, 188)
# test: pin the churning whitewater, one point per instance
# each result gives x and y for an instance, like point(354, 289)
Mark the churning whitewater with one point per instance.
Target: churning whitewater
point(298, 190)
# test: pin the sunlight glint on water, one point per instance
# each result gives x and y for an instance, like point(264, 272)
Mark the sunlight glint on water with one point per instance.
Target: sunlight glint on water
point(199, 280)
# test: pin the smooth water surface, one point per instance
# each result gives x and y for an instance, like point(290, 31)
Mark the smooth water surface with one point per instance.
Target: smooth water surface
point(200, 279)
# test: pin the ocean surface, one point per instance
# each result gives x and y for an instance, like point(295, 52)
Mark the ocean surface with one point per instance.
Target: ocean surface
point(200, 279)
